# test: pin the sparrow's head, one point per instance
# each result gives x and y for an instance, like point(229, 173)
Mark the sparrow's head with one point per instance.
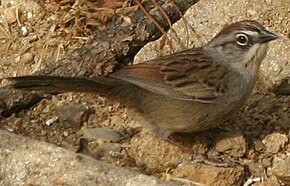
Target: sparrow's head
point(242, 44)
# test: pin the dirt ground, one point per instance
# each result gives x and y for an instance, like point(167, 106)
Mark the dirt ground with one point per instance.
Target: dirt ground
point(46, 31)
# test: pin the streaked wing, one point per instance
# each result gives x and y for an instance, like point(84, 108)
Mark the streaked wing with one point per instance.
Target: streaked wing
point(187, 75)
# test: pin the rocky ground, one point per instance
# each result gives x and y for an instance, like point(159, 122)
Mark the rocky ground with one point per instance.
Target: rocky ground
point(254, 144)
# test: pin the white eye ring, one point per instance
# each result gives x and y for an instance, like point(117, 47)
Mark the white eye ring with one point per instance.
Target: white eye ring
point(242, 39)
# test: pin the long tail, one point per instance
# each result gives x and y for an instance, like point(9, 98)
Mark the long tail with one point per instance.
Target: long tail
point(58, 84)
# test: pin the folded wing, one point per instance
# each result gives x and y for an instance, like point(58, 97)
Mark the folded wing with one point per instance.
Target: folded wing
point(189, 75)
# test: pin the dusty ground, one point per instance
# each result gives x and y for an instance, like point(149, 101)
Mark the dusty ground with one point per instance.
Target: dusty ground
point(72, 120)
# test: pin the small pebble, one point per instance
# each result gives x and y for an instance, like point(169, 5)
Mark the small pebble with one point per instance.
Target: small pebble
point(29, 15)
point(103, 134)
point(51, 121)
point(17, 59)
point(24, 30)
point(27, 58)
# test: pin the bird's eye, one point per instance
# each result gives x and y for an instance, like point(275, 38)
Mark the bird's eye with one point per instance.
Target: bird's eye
point(242, 39)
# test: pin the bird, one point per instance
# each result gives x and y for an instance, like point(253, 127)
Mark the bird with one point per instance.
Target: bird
point(183, 92)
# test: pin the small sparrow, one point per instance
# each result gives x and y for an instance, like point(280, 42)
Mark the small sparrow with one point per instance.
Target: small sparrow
point(187, 91)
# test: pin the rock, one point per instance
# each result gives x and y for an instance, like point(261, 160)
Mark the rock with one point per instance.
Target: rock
point(151, 152)
point(256, 169)
point(103, 134)
point(210, 175)
point(274, 142)
point(233, 144)
point(281, 169)
point(71, 114)
point(258, 145)
point(106, 149)
point(266, 160)
point(27, 58)
point(275, 71)
point(117, 122)
point(38, 163)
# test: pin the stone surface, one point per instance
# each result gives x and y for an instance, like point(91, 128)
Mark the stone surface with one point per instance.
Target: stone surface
point(256, 169)
point(281, 169)
point(258, 145)
point(103, 134)
point(275, 71)
point(233, 144)
point(274, 142)
point(107, 150)
point(38, 163)
point(266, 160)
point(71, 114)
point(210, 175)
point(155, 154)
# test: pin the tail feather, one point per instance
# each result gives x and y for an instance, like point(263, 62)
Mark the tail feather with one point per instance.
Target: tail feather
point(58, 84)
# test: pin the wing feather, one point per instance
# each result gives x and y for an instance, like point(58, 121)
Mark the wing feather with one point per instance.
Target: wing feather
point(187, 75)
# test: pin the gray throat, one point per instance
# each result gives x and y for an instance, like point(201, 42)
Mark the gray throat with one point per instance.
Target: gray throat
point(247, 64)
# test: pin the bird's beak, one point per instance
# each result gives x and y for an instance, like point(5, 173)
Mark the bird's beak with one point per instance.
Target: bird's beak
point(266, 36)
